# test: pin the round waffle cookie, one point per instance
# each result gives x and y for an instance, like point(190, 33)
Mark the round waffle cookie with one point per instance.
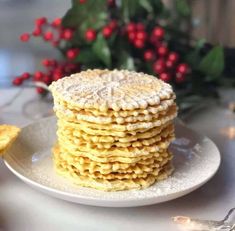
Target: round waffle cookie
point(114, 129)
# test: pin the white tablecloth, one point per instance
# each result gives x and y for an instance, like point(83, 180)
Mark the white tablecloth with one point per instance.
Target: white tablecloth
point(25, 209)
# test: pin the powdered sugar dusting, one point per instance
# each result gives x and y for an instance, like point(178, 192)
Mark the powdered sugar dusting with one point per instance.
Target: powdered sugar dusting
point(117, 89)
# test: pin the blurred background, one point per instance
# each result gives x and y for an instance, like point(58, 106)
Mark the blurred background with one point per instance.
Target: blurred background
point(17, 16)
point(213, 20)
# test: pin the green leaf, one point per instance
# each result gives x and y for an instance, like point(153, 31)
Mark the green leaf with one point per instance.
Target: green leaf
point(158, 6)
point(146, 5)
point(91, 14)
point(100, 20)
point(193, 58)
point(101, 50)
point(213, 63)
point(126, 61)
point(74, 2)
point(183, 8)
point(128, 64)
point(128, 9)
point(71, 17)
point(200, 44)
point(85, 56)
point(96, 24)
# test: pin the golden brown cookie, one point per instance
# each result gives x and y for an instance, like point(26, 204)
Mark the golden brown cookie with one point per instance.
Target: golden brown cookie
point(8, 134)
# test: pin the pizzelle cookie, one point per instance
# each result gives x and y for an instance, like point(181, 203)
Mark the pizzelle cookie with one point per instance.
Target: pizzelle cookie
point(81, 115)
point(8, 134)
point(114, 129)
point(87, 166)
point(167, 132)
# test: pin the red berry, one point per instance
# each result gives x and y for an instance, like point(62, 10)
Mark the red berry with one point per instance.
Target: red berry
point(148, 55)
point(40, 21)
point(180, 78)
point(67, 34)
point(183, 68)
point(107, 31)
point(113, 24)
point(56, 22)
point(53, 63)
point(48, 36)
point(40, 90)
point(166, 77)
point(47, 79)
point(138, 43)
point(70, 67)
point(141, 35)
point(82, 1)
point(37, 32)
point(131, 27)
point(57, 74)
point(38, 75)
point(158, 32)
point(72, 53)
point(90, 35)
point(169, 64)
point(25, 76)
point(49, 62)
point(159, 66)
point(55, 43)
point(162, 50)
point(160, 62)
point(173, 56)
point(111, 3)
point(46, 62)
point(25, 37)
point(140, 26)
point(131, 36)
point(17, 81)
point(154, 41)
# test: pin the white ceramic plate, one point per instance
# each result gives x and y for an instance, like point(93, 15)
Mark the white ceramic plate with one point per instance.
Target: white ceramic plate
point(196, 160)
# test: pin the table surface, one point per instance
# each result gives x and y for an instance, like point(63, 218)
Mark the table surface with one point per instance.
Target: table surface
point(23, 208)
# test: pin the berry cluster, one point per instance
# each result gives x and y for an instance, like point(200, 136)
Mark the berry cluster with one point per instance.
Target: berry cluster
point(167, 66)
point(164, 62)
point(55, 34)
point(148, 45)
point(53, 71)
point(50, 32)
point(136, 34)
point(107, 31)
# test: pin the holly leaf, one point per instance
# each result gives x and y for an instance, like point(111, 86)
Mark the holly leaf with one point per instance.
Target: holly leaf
point(71, 18)
point(193, 58)
point(213, 63)
point(91, 14)
point(101, 50)
point(128, 9)
point(183, 8)
point(74, 2)
point(128, 64)
point(146, 5)
point(126, 61)
point(158, 6)
point(85, 56)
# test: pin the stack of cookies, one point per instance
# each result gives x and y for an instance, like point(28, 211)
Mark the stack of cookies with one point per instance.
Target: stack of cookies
point(114, 129)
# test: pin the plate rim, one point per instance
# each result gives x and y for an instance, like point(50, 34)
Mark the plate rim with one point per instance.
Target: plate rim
point(146, 201)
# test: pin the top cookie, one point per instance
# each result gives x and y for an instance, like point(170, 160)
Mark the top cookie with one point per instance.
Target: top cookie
point(105, 89)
